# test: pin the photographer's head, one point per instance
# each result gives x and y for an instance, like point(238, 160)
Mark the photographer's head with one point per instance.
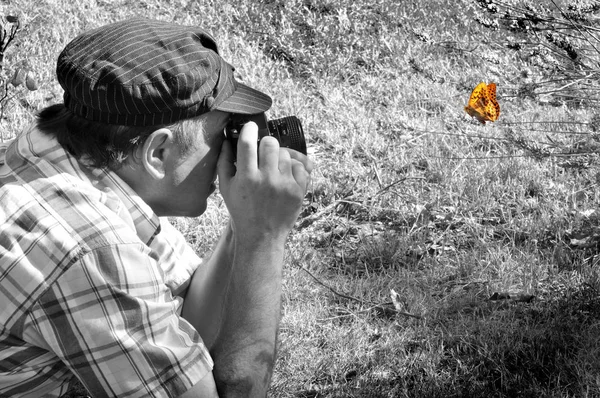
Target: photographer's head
point(153, 97)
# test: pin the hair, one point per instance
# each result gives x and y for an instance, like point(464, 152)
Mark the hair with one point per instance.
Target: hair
point(104, 145)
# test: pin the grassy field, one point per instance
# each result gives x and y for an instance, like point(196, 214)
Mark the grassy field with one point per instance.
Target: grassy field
point(435, 256)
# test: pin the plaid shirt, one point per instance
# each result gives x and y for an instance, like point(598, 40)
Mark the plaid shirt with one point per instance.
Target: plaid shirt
point(89, 278)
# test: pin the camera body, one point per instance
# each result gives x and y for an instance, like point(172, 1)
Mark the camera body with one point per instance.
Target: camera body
point(287, 130)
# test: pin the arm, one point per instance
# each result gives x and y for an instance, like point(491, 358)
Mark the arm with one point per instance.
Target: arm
point(205, 388)
point(244, 353)
point(264, 197)
point(237, 310)
point(204, 302)
point(224, 312)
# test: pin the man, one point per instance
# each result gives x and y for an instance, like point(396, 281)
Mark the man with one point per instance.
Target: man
point(94, 285)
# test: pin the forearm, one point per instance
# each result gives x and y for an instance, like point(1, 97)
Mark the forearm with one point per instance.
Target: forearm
point(234, 302)
point(205, 300)
point(244, 352)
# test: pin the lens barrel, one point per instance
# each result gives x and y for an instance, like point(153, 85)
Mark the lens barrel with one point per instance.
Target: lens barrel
point(288, 131)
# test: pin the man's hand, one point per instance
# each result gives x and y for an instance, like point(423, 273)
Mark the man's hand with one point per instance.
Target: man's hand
point(264, 194)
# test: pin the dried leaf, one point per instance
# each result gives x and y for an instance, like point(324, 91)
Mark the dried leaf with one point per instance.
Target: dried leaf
point(396, 300)
point(18, 77)
point(30, 83)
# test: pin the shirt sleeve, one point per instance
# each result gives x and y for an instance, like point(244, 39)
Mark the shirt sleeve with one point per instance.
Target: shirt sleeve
point(113, 321)
point(178, 260)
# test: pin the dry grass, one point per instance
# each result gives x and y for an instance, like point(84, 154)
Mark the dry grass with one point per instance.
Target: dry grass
point(410, 194)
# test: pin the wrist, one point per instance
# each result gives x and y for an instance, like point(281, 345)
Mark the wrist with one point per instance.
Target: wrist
point(256, 239)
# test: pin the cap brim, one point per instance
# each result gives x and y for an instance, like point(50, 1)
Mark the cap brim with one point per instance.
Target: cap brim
point(246, 100)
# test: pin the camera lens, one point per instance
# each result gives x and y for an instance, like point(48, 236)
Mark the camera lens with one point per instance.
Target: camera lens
point(288, 131)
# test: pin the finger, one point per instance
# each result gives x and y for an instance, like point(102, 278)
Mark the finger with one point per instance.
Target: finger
point(301, 175)
point(225, 164)
point(268, 153)
point(285, 162)
point(247, 158)
point(308, 164)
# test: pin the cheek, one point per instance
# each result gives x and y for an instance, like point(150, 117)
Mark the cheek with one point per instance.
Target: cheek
point(209, 163)
point(199, 167)
point(201, 174)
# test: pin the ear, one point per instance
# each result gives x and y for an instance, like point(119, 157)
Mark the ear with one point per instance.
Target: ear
point(155, 152)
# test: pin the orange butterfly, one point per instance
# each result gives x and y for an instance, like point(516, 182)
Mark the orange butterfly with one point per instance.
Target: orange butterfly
point(482, 104)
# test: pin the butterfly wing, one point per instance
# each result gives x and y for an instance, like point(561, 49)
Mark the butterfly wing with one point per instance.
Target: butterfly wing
point(492, 108)
point(478, 102)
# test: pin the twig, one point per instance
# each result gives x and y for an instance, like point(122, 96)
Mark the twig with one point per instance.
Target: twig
point(387, 187)
point(382, 306)
point(545, 155)
point(6, 38)
point(332, 290)
point(574, 25)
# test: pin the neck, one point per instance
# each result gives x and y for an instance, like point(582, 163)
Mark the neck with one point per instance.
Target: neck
point(139, 181)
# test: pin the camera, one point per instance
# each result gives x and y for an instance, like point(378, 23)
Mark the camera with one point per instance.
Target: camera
point(287, 130)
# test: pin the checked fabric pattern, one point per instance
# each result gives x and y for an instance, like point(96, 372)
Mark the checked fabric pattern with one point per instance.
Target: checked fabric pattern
point(89, 278)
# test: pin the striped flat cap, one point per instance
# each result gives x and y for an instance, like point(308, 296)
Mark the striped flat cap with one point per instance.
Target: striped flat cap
point(142, 72)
